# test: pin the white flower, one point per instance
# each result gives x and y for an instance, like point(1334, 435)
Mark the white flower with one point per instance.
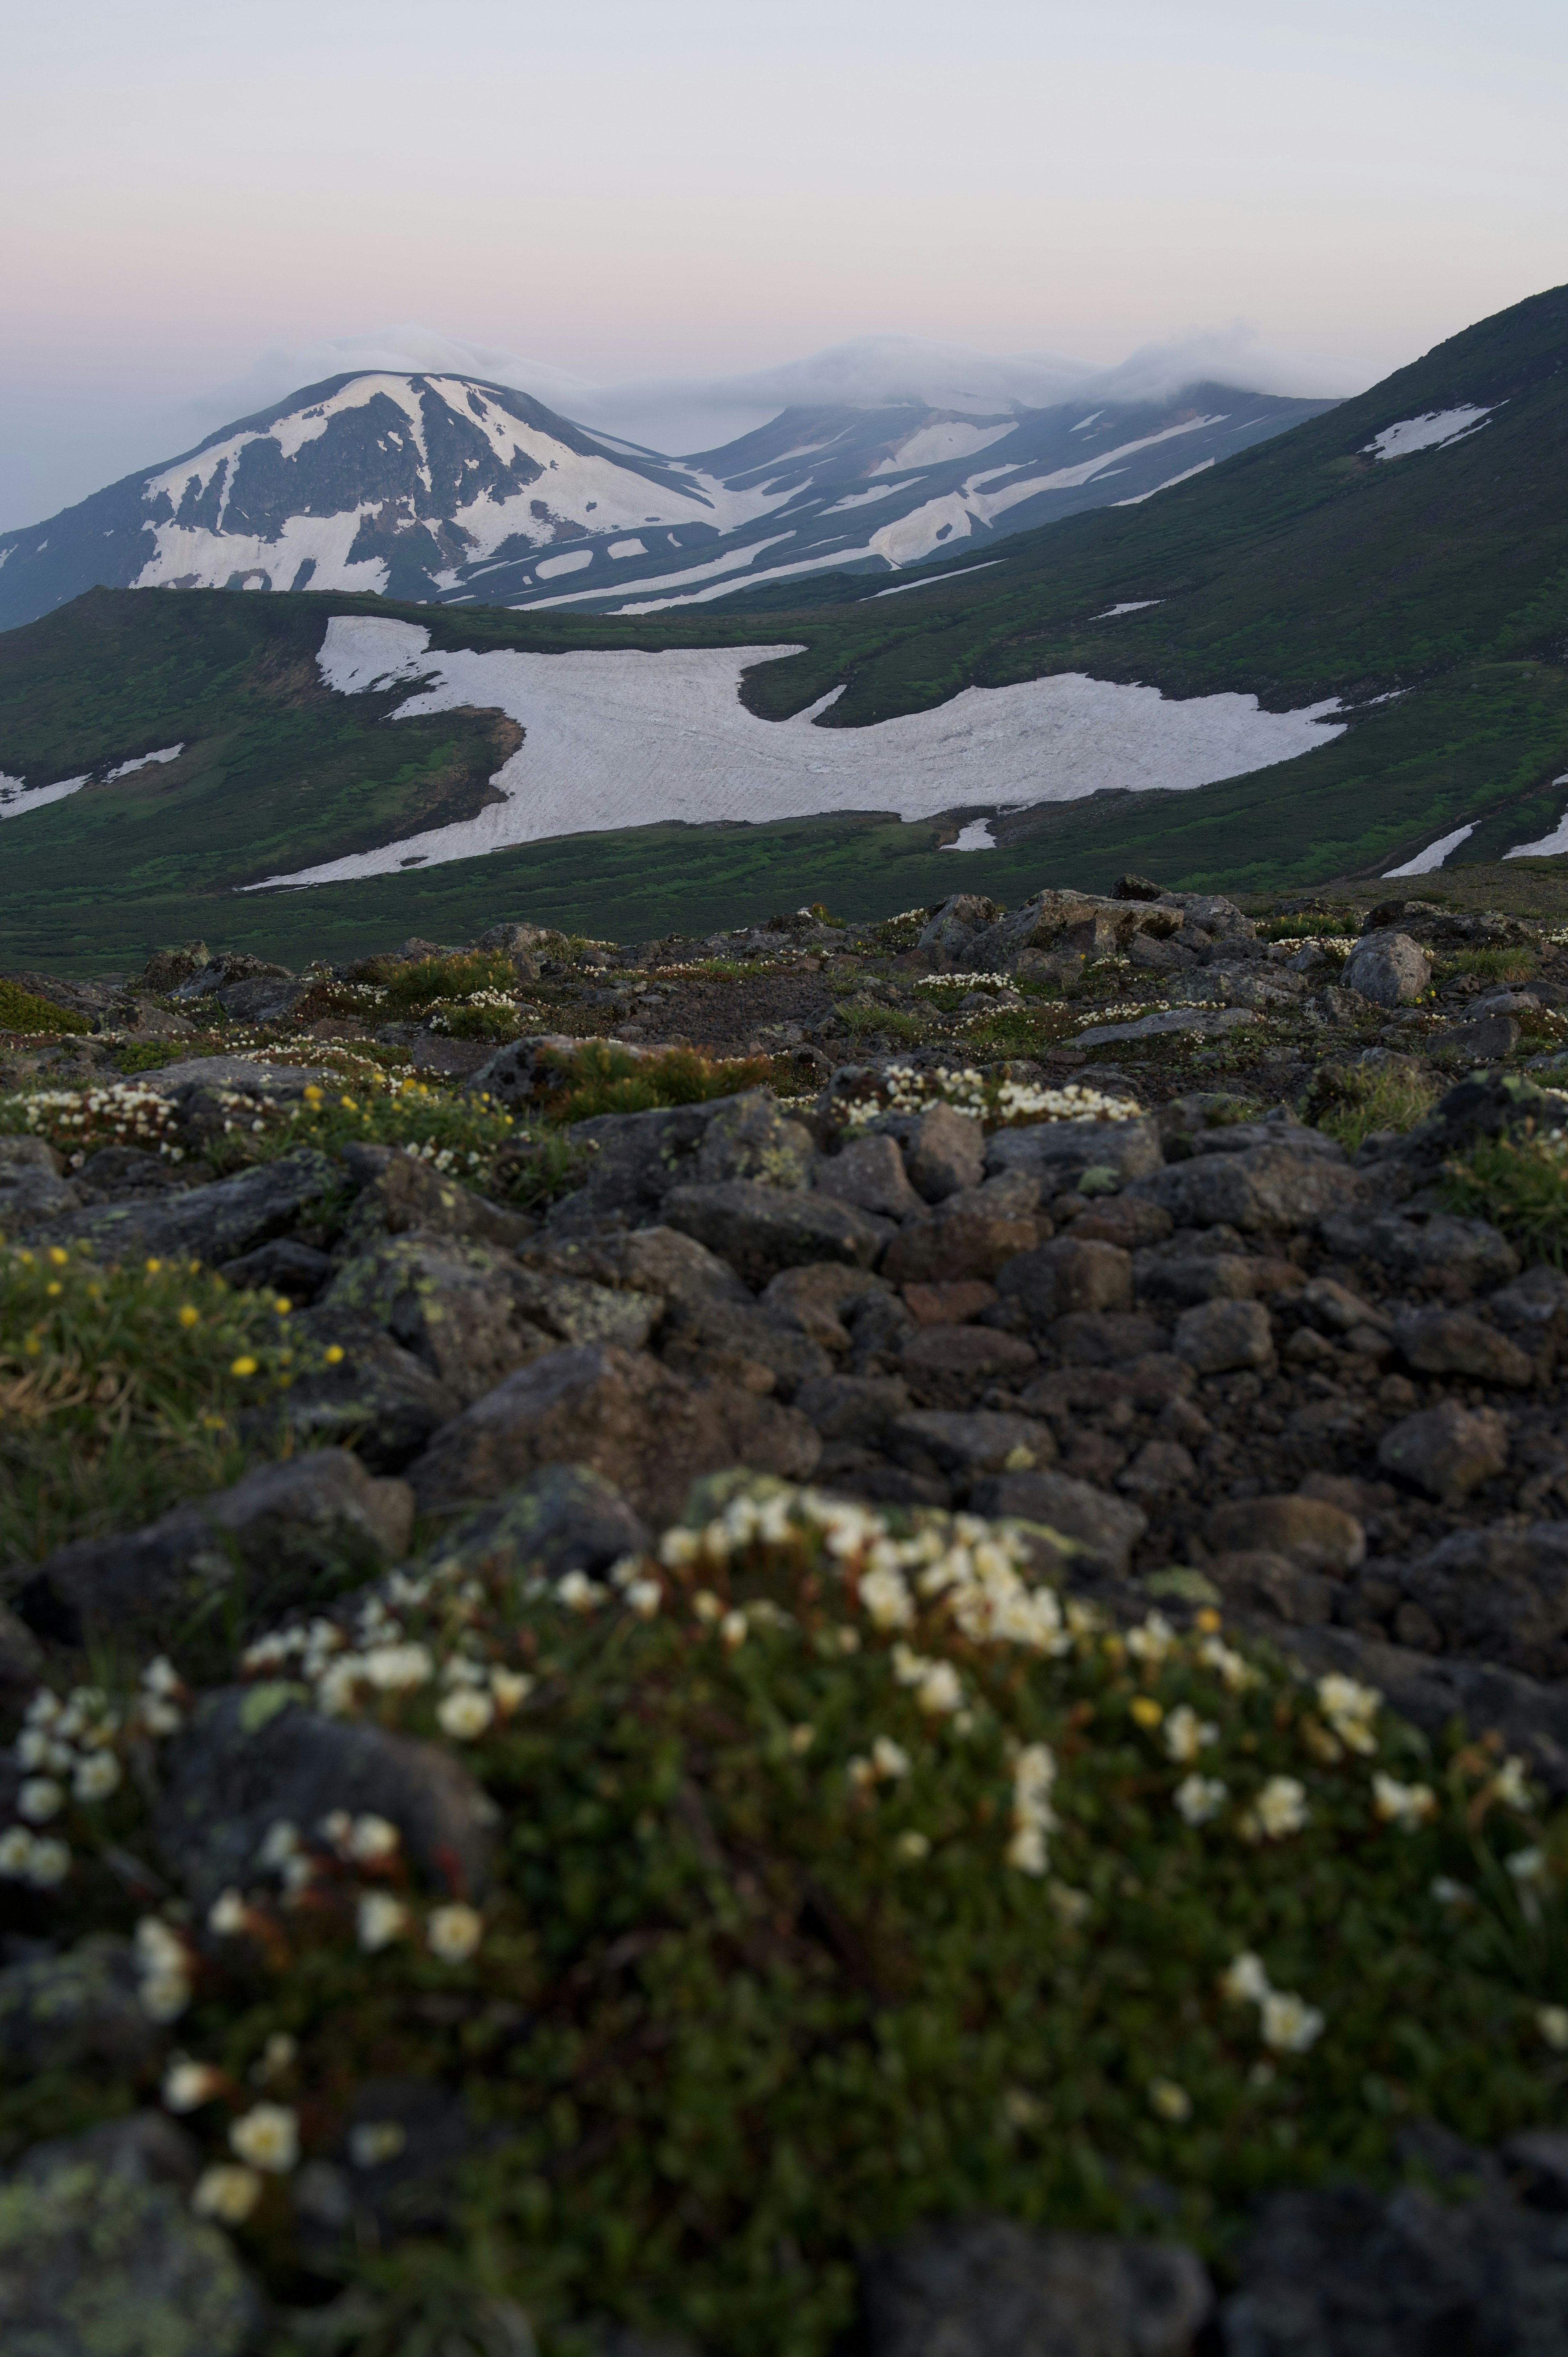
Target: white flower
point(1406, 1806)
point(465, 1713)
point(161, 1677)
point(1281, 1807)
point(159, 1950)
point(1027, 1851)
point(34, 1749)
point(1509, 1787)
point(281, 1843)
point(378, 1921)
point(49, 1865)
point(888, 1759)
point(1186, 1734)
point(1153, 1639)
point(677, 1547)
point(884, 1596)
point(1235, 1673)
point(1071, 1907)
point(1289, 2025)
point(912, 1847)
point(188, 2084)
point(1169, 2100)
point(371, 1838)
point(1244, 1981)
point(396, 1668)
point(734, 1629)
point(1350, 1709)
point(375, 2141)
point(1198, 1799)
point(267, 2136)
point(454, 1933)
point(40, 1799)
point(1527, 1865)
point(512, 1689)
point(227, 1913)
point(227, 2193)
point(96, 1777)
point(162, 1997)
point(1449, 1893)
point(645, 1596)
point(1551, 2020)
point(578, 1593)
point(279, 2054)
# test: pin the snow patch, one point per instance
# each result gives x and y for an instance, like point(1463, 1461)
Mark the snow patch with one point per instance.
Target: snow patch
point(938, 580)
point(975, 836)
point(1432, 432)
point(16, 799)
point(934, 444)
point(1169, 485)
point(572, 561)
point(1548, 844)
point(1425, 862)
point(859, 498)
point(145, 762)
point(626, 548)
point(1128, 605)
point(617, 738)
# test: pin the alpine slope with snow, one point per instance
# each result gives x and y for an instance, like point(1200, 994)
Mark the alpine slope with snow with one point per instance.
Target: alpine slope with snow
point(444, 488)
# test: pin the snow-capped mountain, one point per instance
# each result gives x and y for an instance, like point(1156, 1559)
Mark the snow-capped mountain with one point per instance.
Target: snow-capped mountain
point(446, 489)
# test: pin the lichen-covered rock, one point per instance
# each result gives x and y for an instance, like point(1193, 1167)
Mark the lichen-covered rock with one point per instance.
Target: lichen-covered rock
point(565, 1518)
point(638, 1157)
point(1057, 1153)
point(1388, 968)
point(1264, 1187)
point(974, 1233)
point(456, 1307)
point(61, 2012)
point(1104, 1529)
point(213, 1223)
point(944, 1150)
point(870, 1174)
point(984, 1442)
point(377, 1398)
point(399, 1191)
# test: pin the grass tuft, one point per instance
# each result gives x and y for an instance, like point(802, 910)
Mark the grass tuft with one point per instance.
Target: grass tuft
point(1521, 1184)
point(23, 1010)
point(1372, 1097)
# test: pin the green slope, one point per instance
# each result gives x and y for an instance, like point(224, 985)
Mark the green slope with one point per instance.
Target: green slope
point(1299, 570)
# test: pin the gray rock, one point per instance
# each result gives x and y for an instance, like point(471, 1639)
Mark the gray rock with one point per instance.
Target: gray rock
point(991, 2287)
point(1388, 968)
point(972, 1353)
point(296, 1271)
point(1187, 1277)
point(100, 2255)
point(1066, 1275)
point(399, 1191)
point(1292, 1136)
point(761, 1230)
point(1335, 1308)
point(1101, 1338)
point(944, 1150)
point(817, 1298)
point(64, 2012)
point(730, 1341)
point(870, 1174)
point(1490, 1040)
point(1499, 1596)
point(1310, 1531)
point(1057, 1153)
point(19, 1154)
point(974, 1233)
point(1528, 1715)
point(262, 1000)
point(853, 1408)
point(378, 1399)
point(456, 1307)
point(962, 916)
point(1453, 1342)
point(251, 1756)
point(1209, 1022)
point(1446, 1450)
point(640, 1157)
point(970, 1446)
point(1218, 1336)
point(1416, 1244)
point(245, 1074)
point(284, 1536)
point(31, 1195)
point(565, 1518)
point(626, 1417)
point(1106, 1529)
point(1267, 1187)
point(213, 1223)
point(525, 1070)
point(1260, 1585)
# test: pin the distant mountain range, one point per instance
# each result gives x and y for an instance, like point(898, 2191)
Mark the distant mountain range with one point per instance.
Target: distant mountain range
point(1342, 650)
point(448, 490)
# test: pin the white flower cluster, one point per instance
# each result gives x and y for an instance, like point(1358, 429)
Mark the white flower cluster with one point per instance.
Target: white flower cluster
point(79, 1121)
point(1128, 1012)
point(966, 982)
point(1350, 1709)
point(1288, 2023)
point(904, 1089)
point(375, 1656)
point(1033, 1819)
point(440, 1017)
point(67, 1751)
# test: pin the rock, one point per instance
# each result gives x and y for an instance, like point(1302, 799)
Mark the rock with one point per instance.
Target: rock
point(296, 1271)
point(214, 1223)
point(458, 1307)
point(972, 1234)
point(761, 1230)
point(1065, 1274)
point(68, 2011)
point(1335, 1308)
point(626, 1417)
point(1388, 968)
point(1106, 1529)
point(870, 1174)
point(944, 1151)
point(1262, 1188)
point(990, 2288)
point(224, 971)
point(518, 1075)
point(729, 1342)
point(1526, 1715)
point(684, 1273)
point(285, 1534)
point(1057, 1153)
point(100, 2254)
point(1207, 1021)
point(565, 1518)
point(1490, 1040)
point(1500, 1596)
point(973, 1351)
point(262, 1000)
point(949, 1305)
point(962, 916)
point(1121, 1220)
point(378, 1399)
point(814, 1296)
point(1195, 1276)
point(640, 1157)
point(1533, 1311)
point(21, 1656)
point(1453, 1342)
point(1423, 1244)
point(29, 1153)
point(1252, 1580)
point(118, 1173)
point(1160, 1468)
point(970, 1446)
point(1446, 1450)
point(852, 1407)
point(1218, 1336)
point(1133, 887)
point(31, 1195)
point(517, 940)
point(251, 1756)
point(1291, 1136)
point(399, 1191)
point(1311, 1532)
point(1102, 1337)
point(1345, 2269)
point(142, 1019)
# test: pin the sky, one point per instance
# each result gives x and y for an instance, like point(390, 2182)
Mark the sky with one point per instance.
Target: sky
point(198, 197)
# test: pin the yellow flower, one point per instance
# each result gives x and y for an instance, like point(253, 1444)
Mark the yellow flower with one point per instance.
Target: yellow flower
point(1146, 1710)
point(152, 1266)
point(1169, 2100)
point(59, 1258)
point(1551, 2020)
point(53, 1286)
point(282, 1305)
point(1207, 1621)
point(246, 1366)
point(333, 1354)
point(188, 1316)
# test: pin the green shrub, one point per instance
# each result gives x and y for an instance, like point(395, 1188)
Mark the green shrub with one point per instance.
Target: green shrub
point(122, 1391)
point(1369, 1097)
point(1493, 965)
point(1521, 1184)
point(599, 1076)
point(24, 1010)
point(846, 1876)
point(410, 989)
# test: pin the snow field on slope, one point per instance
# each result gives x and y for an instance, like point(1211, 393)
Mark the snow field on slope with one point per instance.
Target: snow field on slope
point(621, 739)
point(1430, 432)
point(17, 800)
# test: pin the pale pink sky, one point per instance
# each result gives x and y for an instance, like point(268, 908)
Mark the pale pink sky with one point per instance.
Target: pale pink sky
point(630, 188)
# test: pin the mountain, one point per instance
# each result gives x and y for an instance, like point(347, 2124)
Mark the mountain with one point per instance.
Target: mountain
point(451, 489)
point(1343, 651)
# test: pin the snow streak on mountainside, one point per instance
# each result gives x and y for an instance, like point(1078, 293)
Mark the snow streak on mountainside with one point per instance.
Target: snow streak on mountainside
point(443, 489)
point(617, 739)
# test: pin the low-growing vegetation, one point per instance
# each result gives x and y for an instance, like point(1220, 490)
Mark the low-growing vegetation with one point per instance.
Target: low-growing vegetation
point(1520, 1182)
point(601, 1076)
point(24, 1010)
point(1365, 1098)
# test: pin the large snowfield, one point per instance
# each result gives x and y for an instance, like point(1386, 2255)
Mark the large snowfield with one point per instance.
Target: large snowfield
point(622, 739)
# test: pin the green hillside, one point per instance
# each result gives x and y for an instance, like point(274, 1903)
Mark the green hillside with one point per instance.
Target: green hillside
point(1302, 569)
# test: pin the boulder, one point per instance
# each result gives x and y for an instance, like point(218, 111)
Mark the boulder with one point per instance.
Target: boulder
point(1063, 1275)
point(31, 1195)
point(296, 1271)
point(1267, 1187)
point(1424, 1244)
point(77, 2010)
point(563, 1518)
point(1453, 1342)
point(213, 1223)
point(1105, 1529)
point(1491, 1040)
point(853, 1408)
point(624, 1417)
point(377, 1399)
point(1388, 968)
point(870, 1174)
point(399, 1191)
point(970, 1446)
point(459, 1308)
point(991, 2287)
point(100, 2252)
point(760, 1229)
point(1209, 1022)
point(251, 1756)
point(1057, 1153)
point(944, 1150)
point(974, 1233)
point(1102, 1337)
point(1309, 1531)
point(639, 1159)
point(1499, 1596)
point(972, 1352)
point(285, 1534)
point(1447, 1450)
point(1219, 1335)
point(815, 1297)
